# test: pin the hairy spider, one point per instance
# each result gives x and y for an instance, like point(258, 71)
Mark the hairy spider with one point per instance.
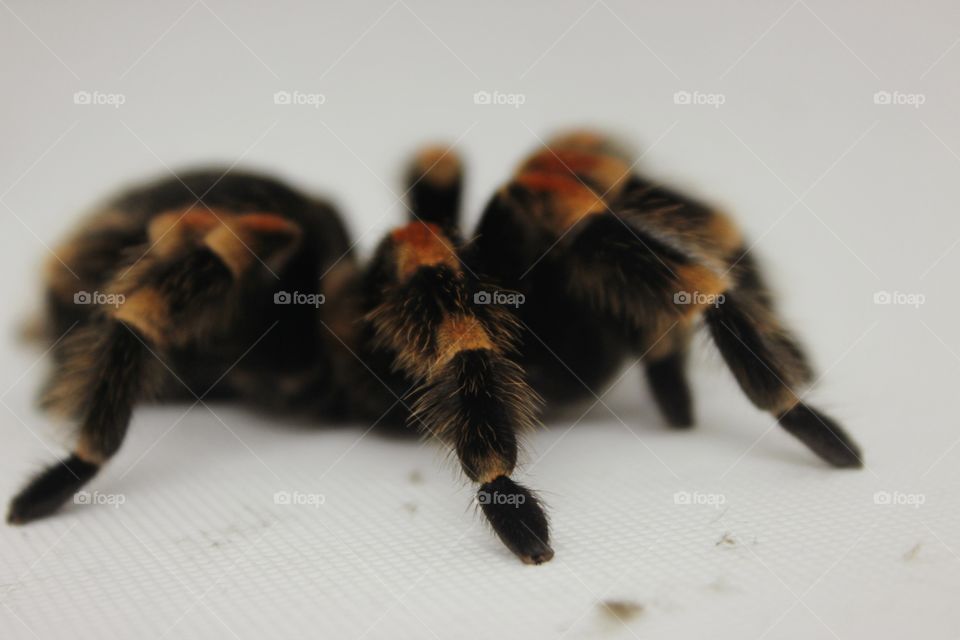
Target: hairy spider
point(190, 272)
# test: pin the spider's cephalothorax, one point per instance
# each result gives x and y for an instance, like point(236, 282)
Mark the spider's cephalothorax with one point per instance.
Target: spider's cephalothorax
point(212, 285)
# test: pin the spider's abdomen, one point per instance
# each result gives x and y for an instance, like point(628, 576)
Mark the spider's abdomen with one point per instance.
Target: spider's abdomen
point(201, 265)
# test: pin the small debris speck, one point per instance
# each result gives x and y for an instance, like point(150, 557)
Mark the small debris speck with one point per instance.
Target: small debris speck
point(416, 477)
point(913, 552)
point(726, 540)
point(721, 585)
point(622, 610)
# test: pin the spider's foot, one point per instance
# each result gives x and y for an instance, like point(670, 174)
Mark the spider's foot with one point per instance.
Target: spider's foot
point(517, 518)
point(45, 493)
point(823, 435)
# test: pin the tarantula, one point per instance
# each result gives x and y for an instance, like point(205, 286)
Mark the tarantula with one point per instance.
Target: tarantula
point(191, 275)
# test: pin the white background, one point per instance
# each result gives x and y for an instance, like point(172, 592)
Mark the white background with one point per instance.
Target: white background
point(845, 198)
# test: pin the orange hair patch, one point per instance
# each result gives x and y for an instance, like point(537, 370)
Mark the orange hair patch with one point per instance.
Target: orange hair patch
point(566, 200)
point(605, 171)
point(707, 284)
point(266, 223)
point(422, 244)
point(171, 229)
point(437, 165)
point(147, 311)
point(460, 333)
point(563, 160)
point(256, 237)
point(585, 140)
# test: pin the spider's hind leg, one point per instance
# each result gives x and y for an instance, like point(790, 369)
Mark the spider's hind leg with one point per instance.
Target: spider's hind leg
point(666, 372)
point(769, 364)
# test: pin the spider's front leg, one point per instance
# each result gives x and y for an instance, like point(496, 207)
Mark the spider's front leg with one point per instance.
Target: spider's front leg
point(469, 392)
point(180, 291)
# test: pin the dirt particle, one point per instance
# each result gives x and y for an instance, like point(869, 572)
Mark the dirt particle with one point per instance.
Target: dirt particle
point(912, 554)
point(411, 507)
point(726, 540)
point(622, 610)
point(415, 477)
point(722, 585)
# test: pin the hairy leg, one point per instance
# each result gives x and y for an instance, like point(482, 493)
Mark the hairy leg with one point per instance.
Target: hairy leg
point(470, 393)
point(180, 291)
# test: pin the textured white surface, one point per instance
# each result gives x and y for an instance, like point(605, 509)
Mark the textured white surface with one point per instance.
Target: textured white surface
point(845, 197)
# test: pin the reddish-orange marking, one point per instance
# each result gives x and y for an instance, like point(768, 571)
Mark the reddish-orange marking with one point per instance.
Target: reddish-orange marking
point(200, 220)
point(419, 235)
point(438, 165)
point(579, 140)
point(565, 161)
point(265, 223)
point(560, 184)
point(193, 222)
point(421, 244)
point(460, 333)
